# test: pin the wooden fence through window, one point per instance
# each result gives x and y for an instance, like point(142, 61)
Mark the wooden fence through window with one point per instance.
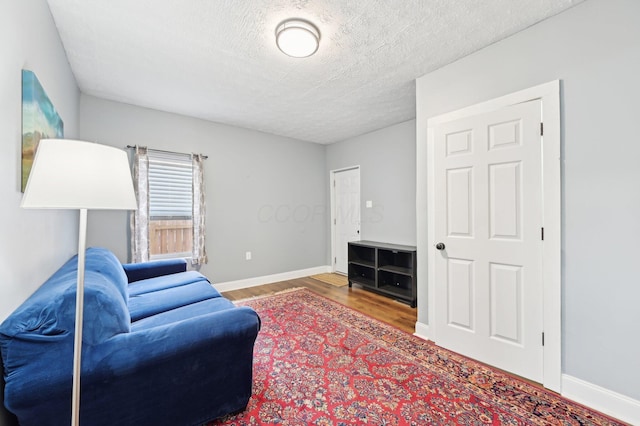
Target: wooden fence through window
point(170, 236)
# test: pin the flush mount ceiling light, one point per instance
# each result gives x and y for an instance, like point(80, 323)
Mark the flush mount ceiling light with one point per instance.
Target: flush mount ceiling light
point(297, 38)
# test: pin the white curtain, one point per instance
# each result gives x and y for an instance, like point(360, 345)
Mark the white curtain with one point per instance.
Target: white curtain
point(140, 218)
point(199, 211)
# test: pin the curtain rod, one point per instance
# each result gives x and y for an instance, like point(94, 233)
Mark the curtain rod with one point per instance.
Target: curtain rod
point(161, 150)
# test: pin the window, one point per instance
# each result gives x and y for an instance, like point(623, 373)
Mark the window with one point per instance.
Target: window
point(170, 205)
point(170, 219)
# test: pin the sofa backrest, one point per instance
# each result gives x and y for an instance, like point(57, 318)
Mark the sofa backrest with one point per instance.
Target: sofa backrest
point(49, 313)
point(106, 263)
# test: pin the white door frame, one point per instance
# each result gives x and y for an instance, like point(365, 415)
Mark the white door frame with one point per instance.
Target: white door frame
point(332, 188)
point(549, 95)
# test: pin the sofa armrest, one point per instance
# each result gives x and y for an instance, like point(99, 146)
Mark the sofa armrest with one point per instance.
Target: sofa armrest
point(154, 268)
point(7, 418)
point(187, 372)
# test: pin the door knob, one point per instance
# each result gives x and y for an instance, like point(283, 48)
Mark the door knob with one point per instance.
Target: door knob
point(440, 246)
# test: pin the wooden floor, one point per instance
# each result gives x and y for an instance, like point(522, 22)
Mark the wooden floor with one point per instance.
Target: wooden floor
point(397, 314)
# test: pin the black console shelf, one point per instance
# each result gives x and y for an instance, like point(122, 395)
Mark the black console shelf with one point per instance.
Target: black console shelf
point(388, 269)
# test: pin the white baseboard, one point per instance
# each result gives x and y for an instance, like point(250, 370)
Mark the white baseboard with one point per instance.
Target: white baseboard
point(608, 402)
point(268, 279)
point(422, 330)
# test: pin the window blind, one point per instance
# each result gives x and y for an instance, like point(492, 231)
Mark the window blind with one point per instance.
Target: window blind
point(170, 185)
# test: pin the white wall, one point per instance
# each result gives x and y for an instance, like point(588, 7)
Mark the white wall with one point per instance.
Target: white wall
point(265, 193)
point(34, 243)
point(594, 49)
point(387, 178)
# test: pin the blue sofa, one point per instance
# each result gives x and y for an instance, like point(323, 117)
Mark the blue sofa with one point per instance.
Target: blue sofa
point(160, 347)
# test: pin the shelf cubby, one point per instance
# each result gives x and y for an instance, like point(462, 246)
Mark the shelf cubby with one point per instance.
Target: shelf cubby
point(362, 255)
point(363, 275)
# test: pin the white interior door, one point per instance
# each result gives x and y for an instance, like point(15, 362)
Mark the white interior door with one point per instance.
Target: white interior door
point(346, 214)
point(488, 220)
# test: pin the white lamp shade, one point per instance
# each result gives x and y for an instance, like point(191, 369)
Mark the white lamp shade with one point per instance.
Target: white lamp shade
point(71, 174)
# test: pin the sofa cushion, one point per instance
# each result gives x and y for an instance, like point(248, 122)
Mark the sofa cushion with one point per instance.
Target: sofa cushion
point(147, 304)
point(182, 313)
point(164, 282)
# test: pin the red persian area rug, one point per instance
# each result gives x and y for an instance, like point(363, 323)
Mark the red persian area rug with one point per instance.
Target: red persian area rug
point(320, 363)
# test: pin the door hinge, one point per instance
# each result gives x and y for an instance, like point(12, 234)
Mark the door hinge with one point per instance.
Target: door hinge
point(335, 260)
point(541, 129)
point(542, 233)
point(543, 338)
point(334, 221)
point(334, 183)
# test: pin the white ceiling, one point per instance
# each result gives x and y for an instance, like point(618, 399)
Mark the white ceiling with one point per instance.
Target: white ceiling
point(217, 59)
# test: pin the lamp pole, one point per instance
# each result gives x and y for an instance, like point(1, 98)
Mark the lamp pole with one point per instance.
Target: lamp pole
point(77, 342)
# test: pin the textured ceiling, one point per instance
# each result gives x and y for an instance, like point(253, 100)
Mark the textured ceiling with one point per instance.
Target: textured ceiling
point(217, 59)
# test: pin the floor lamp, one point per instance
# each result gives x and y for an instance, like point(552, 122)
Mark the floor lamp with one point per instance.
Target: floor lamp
point(77, 175)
